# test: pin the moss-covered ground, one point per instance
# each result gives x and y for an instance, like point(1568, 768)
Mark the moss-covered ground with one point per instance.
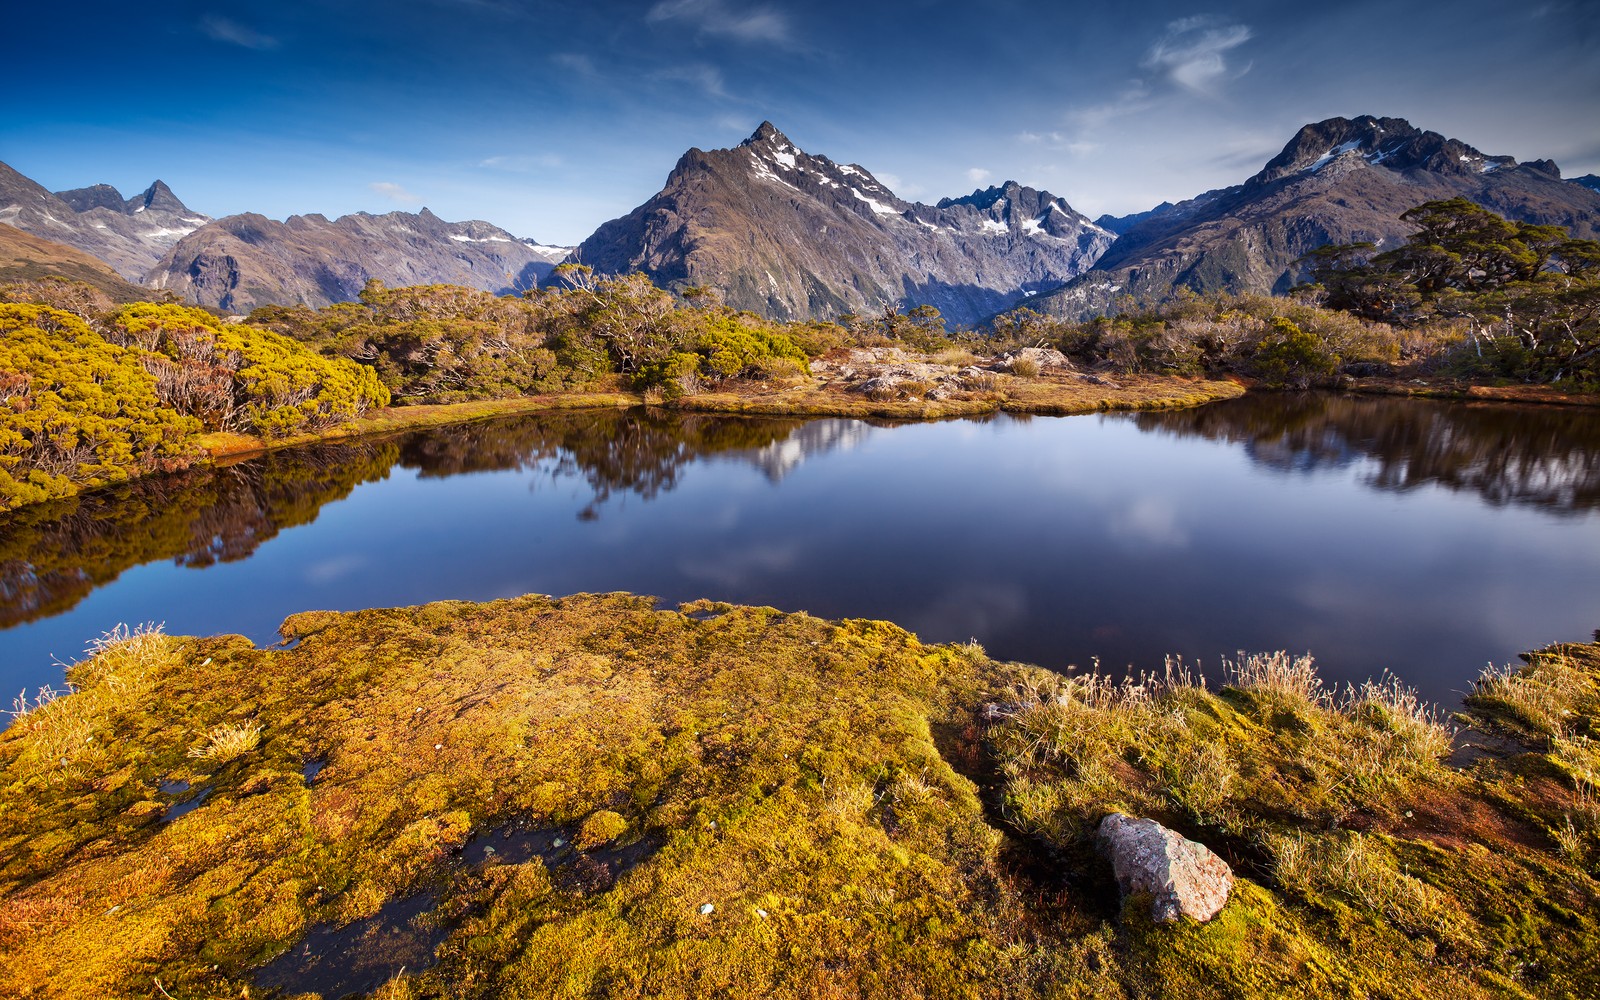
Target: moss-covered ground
point(725, 801)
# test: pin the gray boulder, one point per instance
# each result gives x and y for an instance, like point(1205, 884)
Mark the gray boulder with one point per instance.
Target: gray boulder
point(1181, 876)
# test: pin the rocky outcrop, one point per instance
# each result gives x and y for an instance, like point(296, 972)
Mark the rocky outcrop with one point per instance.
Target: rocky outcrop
point(792, 235)
point(1181, 877)
point(1337, 181)
point(244, 261)
point(130, 234)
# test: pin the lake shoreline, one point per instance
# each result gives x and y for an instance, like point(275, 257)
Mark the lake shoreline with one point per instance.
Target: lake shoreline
point(1049, 394)
point(1044, 395)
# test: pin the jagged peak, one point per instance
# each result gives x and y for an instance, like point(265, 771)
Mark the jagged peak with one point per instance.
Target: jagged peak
point(768, 135)
point(94, 196)
point(1390, 142)
point(157, 198)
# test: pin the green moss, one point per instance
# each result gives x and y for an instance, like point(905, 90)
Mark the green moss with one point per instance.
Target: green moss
point(764, 804)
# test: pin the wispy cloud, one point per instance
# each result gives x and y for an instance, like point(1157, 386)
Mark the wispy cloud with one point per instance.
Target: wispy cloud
point(706, 78)
point(394, 192)
point(719, 17)
point(222, 29)
point(1193, 52)
point(576, 63)
point(1134, 98)
point(978, 175)
point(521, 163)
point(899, 185)
point(1058, 140)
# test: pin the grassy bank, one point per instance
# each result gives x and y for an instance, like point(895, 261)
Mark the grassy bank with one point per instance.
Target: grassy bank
point(1041, 395)
point(721, 801)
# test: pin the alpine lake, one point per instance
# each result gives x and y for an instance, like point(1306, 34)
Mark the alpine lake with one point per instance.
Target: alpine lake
point(1423, 539)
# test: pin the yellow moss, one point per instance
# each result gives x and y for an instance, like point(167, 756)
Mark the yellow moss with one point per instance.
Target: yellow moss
point(788, 808)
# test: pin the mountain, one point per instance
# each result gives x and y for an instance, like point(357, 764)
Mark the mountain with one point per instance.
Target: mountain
point(1337, 181)
point(243, 261)
point(130, 234)
point(25, 257)
point(792, 235)
point(1590, 181)
point(1120, 224)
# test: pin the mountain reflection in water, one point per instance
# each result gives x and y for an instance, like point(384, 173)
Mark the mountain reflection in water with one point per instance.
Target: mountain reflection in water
point(1538, 456)
point(1417, 536)
point(53, 555)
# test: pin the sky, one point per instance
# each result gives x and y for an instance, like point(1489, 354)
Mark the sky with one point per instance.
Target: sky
point(550, 118)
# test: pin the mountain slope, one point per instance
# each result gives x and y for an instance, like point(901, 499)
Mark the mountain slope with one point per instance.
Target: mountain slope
point(243, 261)
point(791, 235)
point(130, 234)
point(1337, 181)
point(26, 257)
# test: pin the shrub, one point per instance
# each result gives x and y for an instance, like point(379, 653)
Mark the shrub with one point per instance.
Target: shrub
point(77, 412)
point(239, 378)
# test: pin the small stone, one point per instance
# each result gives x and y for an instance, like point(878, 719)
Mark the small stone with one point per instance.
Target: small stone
point(558, 842)
point(438, 746)
point(761, 913)
point(1181, 876)
point(706, 909)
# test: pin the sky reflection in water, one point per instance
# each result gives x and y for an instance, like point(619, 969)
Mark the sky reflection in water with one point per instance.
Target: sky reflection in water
point(1416, 537)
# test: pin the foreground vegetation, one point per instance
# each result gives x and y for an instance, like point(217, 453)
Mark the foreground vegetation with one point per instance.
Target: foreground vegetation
point(737, 801)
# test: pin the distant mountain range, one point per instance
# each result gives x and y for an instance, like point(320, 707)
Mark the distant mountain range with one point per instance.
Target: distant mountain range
point(794, 235)
point(129, 234)
point(1337, 181)
point(244, 261)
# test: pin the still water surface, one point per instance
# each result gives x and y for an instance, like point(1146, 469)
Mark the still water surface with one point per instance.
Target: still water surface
point(1417, 537)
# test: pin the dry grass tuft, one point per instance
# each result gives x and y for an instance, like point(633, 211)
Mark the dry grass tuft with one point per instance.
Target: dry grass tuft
point(1279, 675)
point(227, 742)
point(70, 727)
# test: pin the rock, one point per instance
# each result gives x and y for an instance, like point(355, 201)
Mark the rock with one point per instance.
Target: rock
point(1042, 358)
point(1183, 877)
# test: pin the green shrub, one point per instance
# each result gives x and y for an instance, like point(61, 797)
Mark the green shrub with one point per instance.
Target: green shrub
point(76, 411)
point(239, 378)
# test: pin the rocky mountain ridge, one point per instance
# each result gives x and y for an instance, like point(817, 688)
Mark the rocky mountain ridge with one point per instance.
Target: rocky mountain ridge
point(793, 235)
point(1337, 181)
point(243, 261)
point(130, 234)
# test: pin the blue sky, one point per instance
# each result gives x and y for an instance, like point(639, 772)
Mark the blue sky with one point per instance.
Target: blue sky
point(549, 118)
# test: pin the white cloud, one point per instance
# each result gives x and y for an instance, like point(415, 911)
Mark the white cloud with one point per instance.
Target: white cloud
point(1192, 53)
point(394, 192)
point(978, 175)
point(222, 29)
point(718, 17)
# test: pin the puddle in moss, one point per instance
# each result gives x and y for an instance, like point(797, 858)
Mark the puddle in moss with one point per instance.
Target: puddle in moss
point(589, 871)
point(182, 808)
point(404, 934)
point(361, 956)
point(310, 771)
